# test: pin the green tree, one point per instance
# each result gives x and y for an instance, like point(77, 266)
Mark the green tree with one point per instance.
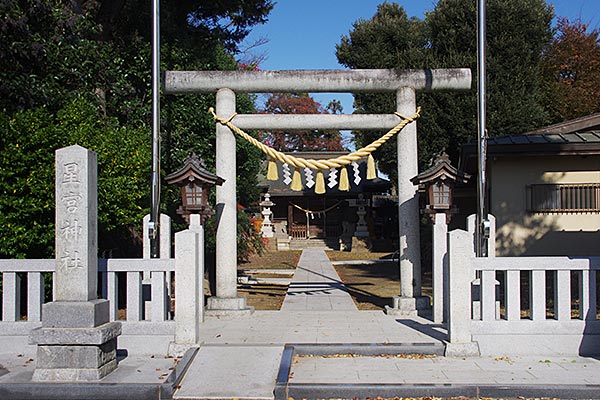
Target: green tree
point(27, 176)
point(571, 71)
point(388, 40)
point(446, 38)
point(86, 66)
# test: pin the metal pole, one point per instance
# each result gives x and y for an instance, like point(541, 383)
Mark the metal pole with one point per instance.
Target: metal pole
point(153, 226)
point(480, 238)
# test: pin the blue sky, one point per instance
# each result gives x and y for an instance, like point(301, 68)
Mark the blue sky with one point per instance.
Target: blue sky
point(302, 34)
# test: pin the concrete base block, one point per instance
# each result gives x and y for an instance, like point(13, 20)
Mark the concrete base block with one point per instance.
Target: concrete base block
point(283, 244)
point(230, 313)
point(469, 349)
point(408, 306)
point(83, 357)
point(73, 374)
point(75, 314)
point(402, 307)
point(226, 303)
point(75, 354)
point(179, 349)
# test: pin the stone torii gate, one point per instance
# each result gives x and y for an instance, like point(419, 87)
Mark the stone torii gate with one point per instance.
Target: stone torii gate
point(404, 82)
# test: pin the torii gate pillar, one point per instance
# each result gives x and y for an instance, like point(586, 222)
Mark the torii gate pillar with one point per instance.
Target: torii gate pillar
point(410, 299)
point(226, 301)
point(404, 83)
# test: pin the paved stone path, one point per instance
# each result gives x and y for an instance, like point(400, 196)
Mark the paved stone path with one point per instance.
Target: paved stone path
point(240, 357)
point(316, 286)
point(521, 370)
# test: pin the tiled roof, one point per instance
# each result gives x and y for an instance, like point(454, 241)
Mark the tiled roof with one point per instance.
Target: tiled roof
point(546, 138)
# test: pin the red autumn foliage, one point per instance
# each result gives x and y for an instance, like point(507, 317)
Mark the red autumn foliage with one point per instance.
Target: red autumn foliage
point(571, 66)
point(300, 140)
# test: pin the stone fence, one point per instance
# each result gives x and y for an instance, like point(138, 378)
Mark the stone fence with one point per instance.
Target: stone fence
point(520, 305)
point(146, 315)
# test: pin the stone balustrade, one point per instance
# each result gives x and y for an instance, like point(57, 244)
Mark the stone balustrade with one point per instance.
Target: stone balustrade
point(520, 305)
point(32, 271)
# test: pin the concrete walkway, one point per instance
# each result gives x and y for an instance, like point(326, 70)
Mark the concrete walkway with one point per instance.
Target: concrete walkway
point(317, 286)
point(240, 358)
point(247, 358)
point(390, 376)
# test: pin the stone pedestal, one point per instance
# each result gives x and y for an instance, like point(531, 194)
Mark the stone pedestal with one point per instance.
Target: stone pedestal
point(75, 353)
point(229, 307)
point(408, 306)
point(76, 341)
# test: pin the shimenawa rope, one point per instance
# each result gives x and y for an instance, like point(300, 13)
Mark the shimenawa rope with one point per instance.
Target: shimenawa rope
point(319, 165)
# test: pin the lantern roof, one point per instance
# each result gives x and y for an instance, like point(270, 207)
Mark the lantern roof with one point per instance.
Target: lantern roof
point(440, 170)
point(193, 170)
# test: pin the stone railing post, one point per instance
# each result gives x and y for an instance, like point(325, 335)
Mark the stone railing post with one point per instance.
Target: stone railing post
point(189, 286)
point(440, 267)
point(491, 252)
point(76, 341)
point(164, 248)
point(460, 271)
point(164, 251)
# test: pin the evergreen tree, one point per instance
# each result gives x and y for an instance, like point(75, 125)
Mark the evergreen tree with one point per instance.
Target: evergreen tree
point(86, 65)
point(517, 31)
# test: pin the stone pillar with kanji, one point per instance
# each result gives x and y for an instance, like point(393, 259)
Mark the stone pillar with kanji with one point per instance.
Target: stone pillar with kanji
point(76, 341)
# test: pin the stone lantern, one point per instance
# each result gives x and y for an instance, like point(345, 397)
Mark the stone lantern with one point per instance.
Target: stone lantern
point(437, 183)
point(195, 183)
point(266, 227)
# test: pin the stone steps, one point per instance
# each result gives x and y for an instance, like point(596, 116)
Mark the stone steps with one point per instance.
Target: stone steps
point(327, 244)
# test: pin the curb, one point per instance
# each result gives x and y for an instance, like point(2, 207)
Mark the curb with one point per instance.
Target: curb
point(285, 390)
point(99, 390)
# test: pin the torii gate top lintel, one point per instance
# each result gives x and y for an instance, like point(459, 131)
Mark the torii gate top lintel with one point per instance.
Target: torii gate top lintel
point(315, 81)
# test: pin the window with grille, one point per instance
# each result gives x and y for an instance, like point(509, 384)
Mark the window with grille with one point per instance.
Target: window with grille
point(193, 194)
point(561, 198)
point(441, 195)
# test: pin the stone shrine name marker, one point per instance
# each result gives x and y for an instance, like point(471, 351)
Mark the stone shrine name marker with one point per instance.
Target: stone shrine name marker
point(76, 341)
